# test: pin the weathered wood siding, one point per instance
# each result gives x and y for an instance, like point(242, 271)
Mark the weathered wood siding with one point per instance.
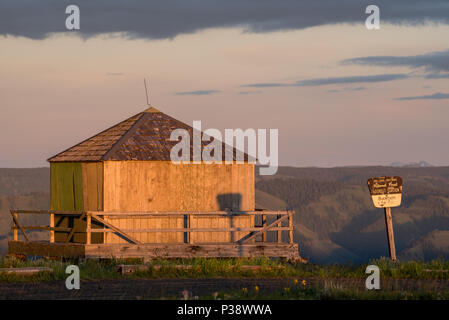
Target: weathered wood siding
point(92, 186)
point(164, 186)
point(92, 174)
point(66, 193)
point(76, 186)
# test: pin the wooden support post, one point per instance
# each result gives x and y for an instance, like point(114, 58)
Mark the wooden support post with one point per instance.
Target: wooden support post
point(190, 225)
point(390, 234)
point(187, 234)
point(264, 223)
point(254, 224)
point(231, 234)
point(88, 227)
point(290, 225)
point(16, 229)
point(17, 224)
point(52, 225)
point(279, 232)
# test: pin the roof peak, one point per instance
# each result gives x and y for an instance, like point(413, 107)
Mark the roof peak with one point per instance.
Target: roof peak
point(144, 137)
point(151, 109)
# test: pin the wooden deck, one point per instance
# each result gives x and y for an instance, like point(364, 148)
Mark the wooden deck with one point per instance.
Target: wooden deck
point(153, 250)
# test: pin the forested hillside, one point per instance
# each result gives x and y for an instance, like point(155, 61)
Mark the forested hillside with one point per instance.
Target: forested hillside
point(335, 220)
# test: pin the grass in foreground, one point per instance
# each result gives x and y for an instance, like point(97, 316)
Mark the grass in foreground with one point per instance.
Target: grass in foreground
point(296, 281)
point(323, 293)
point(228, 268)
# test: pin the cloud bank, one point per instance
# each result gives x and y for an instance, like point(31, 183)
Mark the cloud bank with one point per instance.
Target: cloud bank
point(435, 96)
point(432, 62)
point(167, 19)
point(334, 80)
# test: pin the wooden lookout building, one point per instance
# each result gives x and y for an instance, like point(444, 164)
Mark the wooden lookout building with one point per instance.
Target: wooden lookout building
point(118, 194)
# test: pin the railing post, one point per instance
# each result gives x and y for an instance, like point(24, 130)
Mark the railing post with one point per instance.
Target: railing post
point(52, 225)
point(279, 231)
point(253, 223)
point(264, 223)
point(188, 225)
point(231, 233)
point(290, 226)
point(16, 231)
point(88, 227)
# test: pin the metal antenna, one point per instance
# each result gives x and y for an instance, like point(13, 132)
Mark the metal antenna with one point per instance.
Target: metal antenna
point(146, 90)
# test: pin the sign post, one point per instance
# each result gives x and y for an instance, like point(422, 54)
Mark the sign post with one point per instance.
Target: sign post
point(386, 193)
point(390, 234)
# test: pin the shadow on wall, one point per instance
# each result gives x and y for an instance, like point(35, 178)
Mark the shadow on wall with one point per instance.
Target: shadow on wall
point(230, 202)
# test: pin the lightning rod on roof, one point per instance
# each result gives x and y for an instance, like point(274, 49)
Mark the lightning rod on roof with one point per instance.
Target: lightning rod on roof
point(146, 90)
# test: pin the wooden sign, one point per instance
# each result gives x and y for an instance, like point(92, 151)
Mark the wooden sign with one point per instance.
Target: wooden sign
point(386, 192)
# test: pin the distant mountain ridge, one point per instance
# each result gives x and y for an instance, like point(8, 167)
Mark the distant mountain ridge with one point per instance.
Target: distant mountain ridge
point(421, 163)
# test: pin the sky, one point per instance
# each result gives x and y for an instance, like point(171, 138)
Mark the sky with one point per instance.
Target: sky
point(339, 94)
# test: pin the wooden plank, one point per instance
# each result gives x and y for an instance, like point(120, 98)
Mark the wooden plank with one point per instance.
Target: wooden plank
point(126, 215)
point(92, 180)
point(114, 228)
point(44, 228)
point(56, 212)
point(251, 236)
point(174, 250)
point(100, 174)
point(234, 229)
point(28, 271)
point(85, 178)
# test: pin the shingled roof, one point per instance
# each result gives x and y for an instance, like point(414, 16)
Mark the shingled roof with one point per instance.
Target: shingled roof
point(144, 136)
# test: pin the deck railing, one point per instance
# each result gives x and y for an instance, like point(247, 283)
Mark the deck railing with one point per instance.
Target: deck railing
point(280, 218)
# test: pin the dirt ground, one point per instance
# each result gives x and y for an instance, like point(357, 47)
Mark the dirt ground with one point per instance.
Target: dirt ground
point(173, 288)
